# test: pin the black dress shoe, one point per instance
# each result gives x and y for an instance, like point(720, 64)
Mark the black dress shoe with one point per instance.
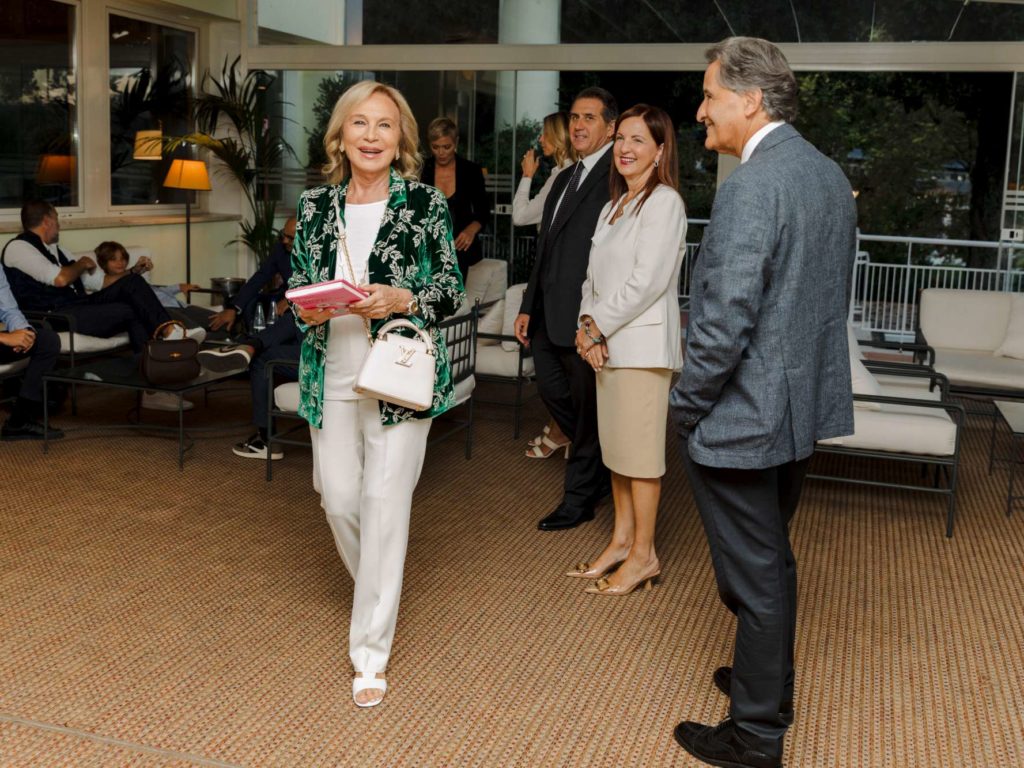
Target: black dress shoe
point(724, 745)
point(29, 430)
point(566, 517)
point(723, 681)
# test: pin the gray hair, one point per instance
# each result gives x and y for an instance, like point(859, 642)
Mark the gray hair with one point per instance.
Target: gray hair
point(749, 63)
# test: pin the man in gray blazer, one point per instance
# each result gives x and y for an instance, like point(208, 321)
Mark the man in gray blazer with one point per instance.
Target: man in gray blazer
point(766, 374)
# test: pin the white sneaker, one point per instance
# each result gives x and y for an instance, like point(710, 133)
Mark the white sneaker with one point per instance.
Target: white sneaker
point(199, 334)
point(164, 401)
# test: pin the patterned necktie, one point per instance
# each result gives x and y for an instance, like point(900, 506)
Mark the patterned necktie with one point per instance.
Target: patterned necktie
point(570, 191)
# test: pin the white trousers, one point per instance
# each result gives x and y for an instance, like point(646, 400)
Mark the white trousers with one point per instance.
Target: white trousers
point(366, 474)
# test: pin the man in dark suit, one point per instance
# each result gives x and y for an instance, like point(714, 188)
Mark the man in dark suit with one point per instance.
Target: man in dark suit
point(549, 314)
point(766, 374)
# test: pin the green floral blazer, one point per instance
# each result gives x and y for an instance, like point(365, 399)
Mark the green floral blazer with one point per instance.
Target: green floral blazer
point(413, 250)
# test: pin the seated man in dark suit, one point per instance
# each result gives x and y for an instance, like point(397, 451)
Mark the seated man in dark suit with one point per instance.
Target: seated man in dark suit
point(19, 340)
point(44, 278)
point(280, 341)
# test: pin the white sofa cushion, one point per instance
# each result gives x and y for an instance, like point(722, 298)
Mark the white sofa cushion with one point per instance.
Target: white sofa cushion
point(901, 429)
point(967, 367)
point(860, 377)
point(966, 320)
point(495, 361)
point(854, 344)
point(1013, 341)
point(491, 322)
point(485, 282)
point(89, 344)
point(513, 302)
point(286, 396)
point(464, 389)
point(15, 365)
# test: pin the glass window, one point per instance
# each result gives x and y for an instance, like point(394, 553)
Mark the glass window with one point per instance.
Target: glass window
point(150, 77)
point(38, 129)
point(399, 22)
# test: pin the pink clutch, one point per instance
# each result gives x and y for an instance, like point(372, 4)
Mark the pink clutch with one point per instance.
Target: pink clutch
point(333, 293)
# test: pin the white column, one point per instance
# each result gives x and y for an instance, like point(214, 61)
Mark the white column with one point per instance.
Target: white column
point(527, 94)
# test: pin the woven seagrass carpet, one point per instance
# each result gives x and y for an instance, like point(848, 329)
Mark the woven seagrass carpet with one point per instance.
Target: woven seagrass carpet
point(151, 617)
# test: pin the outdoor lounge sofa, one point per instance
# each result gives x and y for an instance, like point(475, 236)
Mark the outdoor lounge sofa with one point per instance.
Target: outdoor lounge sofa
point(976, 338)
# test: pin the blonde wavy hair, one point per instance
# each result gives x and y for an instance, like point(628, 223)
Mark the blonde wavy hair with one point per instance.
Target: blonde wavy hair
point(407, 161)
point(556, 126)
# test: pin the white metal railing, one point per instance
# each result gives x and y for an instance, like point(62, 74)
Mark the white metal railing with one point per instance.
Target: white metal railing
point(885, 292)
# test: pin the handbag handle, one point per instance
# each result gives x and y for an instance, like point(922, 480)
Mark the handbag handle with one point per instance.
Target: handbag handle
point(401, 322)
point(158, 334)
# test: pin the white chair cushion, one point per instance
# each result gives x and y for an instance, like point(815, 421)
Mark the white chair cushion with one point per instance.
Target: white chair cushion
point(851, 340)
point(863, 382)
point(969, 320)
point(513, 302)
point(485, 282)
point(87, 344)
point(496, 361)
point(464, 389)
point(286, 397)
point(491, 322)
point(1013, 342)
point(906, 386)
point(17, 365)
point(901, 429)
point(968, 367)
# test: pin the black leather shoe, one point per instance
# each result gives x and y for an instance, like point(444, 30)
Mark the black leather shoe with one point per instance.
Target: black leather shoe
point(566, 517)
point(724, 745)
point(723, 681)
point(30, 430)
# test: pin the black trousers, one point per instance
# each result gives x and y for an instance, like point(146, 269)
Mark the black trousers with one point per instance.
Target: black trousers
point(280, 341)
point(746, 514)
point(128, 305)
point(41, 359)
point(567, 386)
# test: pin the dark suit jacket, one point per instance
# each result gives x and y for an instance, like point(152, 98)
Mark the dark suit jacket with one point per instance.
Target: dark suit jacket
point(767, 370)
point(554, 291)
point(468, 204)
point(278, 263)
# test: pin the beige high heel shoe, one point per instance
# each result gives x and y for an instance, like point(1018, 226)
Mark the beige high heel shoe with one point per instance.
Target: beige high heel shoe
point(604, 587)
point(584, 571)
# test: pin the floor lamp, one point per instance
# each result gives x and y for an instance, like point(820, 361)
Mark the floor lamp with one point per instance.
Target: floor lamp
point(188, 175)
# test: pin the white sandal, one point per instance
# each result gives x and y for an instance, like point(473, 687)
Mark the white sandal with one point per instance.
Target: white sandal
point(547, 448)
point(372, 683)
point(544, 433)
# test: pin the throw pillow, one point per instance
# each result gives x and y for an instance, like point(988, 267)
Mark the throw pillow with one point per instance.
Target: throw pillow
point(491, 322)
point(1013, 343)
point(864, 384)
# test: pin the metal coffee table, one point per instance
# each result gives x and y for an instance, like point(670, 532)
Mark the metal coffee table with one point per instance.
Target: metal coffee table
point(123, 373)
point(1011, 414)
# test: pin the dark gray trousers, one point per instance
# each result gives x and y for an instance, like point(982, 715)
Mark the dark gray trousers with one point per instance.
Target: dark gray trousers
point(746, 514)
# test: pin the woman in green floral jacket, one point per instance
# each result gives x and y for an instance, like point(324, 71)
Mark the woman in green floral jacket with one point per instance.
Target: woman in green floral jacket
point(374, 225)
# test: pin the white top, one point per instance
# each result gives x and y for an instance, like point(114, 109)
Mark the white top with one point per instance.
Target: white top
point(753, 141)
point(347, 344)
point(632, 284)
point(526, 211)
point(588, 162)
point(24, 256)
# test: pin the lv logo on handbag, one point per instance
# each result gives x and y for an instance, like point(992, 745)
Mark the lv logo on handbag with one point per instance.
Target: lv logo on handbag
point(407, 353)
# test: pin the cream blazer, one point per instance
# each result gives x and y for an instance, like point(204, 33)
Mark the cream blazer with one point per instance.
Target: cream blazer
point(632, 284)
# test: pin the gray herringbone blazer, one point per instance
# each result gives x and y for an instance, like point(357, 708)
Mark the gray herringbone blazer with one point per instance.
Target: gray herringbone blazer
point(766, 369)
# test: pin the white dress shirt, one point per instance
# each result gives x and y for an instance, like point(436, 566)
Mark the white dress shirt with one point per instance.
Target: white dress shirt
point(24, 256)
point(526, 211)
point(753, 141)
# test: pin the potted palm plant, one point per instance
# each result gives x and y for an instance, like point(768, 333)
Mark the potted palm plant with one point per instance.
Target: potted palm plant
point(232, 122)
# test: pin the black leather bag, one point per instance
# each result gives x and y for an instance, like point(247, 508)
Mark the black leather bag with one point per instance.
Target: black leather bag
point(169, 361)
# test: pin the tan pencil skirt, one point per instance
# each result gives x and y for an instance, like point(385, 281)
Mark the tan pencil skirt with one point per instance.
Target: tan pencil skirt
point(632, 410)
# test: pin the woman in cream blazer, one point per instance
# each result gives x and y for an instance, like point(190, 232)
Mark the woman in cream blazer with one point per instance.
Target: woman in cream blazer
point(629, 333)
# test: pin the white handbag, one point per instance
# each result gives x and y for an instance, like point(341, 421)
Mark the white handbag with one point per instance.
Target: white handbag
point(398, 369)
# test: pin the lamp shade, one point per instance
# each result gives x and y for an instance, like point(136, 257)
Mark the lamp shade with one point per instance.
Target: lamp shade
point(56, 169)
point(187, 174)
point(148, 145)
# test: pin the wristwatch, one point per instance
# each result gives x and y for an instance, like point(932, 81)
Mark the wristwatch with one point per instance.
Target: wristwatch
point(413, 307)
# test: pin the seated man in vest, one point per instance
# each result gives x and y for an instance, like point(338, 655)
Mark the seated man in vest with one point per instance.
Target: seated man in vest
point(44, 278)
point(280, 341)
point(19, 340)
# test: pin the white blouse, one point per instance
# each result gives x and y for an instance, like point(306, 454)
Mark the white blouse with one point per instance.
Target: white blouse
point(347, 344)
point(526, 211)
